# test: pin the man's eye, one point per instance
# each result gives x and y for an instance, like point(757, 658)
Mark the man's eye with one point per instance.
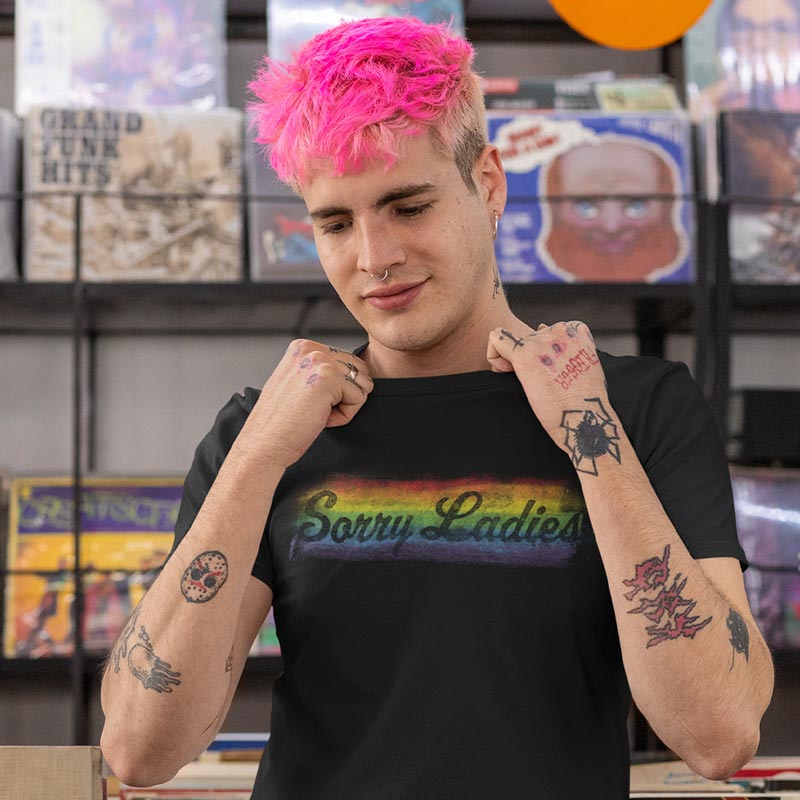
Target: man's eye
point(334, 228)
point(585, 209)
point(414, 211)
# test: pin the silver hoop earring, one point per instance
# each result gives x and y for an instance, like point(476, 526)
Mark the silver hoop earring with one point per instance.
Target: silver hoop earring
point(385, 276)
point(496, 223)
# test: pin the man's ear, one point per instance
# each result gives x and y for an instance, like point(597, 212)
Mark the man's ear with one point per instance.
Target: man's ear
point(490, 178)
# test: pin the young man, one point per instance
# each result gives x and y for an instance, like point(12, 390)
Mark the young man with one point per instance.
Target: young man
point(479, 538)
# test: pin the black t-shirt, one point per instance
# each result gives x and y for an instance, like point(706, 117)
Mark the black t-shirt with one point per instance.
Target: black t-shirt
point(444, 617)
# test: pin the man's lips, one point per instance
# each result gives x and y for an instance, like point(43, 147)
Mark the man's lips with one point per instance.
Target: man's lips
point(394, 296)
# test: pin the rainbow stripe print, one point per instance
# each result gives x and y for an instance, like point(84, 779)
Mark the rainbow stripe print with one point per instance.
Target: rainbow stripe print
point(522, 522)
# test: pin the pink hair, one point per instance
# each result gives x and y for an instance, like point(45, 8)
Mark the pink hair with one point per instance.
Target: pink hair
point(353, 93)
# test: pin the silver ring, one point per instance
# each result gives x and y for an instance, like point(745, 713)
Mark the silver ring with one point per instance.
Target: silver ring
point(385, 276)
point(352, 372)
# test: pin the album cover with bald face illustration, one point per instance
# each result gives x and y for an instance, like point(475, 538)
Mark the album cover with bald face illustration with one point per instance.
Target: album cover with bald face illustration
point(594, 197)
point(761, 179)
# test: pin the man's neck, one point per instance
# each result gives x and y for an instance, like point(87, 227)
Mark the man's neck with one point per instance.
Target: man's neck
point(463, 351)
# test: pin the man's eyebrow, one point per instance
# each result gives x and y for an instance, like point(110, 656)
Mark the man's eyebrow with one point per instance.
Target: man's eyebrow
point(401, 193)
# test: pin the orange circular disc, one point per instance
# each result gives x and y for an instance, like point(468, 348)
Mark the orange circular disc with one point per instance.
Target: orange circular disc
point(631, 24)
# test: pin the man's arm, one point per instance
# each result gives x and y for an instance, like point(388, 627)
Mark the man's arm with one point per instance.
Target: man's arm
point(172, 673)
point(695, 661)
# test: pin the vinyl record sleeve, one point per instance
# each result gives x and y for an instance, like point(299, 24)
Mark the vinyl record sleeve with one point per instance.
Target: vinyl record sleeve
point(130, 55)
point(761, 164)
point(184, 168)
point(127, 528)
point(10, 151)
point(741, 55)
point(290, 23)
point(280, 232)
point(767, 503)
point(595, 197)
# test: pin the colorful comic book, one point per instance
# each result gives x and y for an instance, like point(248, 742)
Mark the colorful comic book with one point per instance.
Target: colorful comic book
point(290, 23)
point(180, 173)
point(595, 197)
point(761, 164)
point(120, 55)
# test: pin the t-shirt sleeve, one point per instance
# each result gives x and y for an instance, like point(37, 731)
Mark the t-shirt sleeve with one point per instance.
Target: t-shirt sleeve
point(683, 455)
point(208, 458)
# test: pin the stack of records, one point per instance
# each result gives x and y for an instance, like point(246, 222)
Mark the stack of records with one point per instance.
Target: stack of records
point(592, 92)
point(595, 197)
point(162, 198)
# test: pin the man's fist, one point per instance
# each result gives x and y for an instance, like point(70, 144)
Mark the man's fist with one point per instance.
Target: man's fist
point(313, 387)
point(563, 379)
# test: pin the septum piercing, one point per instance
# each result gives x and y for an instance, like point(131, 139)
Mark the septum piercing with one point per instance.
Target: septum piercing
point(385, 276)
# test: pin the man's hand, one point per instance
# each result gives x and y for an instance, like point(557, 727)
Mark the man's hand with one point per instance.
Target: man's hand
point(558, 367)
point(313, 387)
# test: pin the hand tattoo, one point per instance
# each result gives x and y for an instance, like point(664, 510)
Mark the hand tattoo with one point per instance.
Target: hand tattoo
point(740, 637)
point(204, 577)
point(590, 435)
point(517, 342)
point(659, 600)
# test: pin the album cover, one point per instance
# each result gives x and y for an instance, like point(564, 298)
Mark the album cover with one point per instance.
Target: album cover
point(742, 54)
point(120, 54)
point(592, 92)
point(127, 530)
point(185, 223)
point(761, 164)
point(595, 197)
point(767, 503)
point(290, 23)
point(281, 236)
point(10, 133)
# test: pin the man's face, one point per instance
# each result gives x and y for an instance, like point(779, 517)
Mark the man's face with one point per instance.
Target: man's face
point(609, 226)
point(418, 220)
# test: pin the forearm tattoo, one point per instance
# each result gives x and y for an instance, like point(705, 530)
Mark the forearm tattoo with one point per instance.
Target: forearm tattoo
point(143, 663)
point(204, 577)
point(661, 603)
point(740, 637)
point(590, 434)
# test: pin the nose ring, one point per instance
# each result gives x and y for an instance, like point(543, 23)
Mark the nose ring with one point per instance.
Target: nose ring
point(385, 276)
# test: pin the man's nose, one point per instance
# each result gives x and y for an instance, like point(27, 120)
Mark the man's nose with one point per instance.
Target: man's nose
point(378, 248)
point(612, 216)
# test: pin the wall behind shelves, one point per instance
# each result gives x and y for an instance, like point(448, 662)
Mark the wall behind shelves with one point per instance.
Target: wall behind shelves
point(157, 396)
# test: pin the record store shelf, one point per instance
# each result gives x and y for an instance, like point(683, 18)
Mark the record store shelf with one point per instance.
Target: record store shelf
point(296, 308)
